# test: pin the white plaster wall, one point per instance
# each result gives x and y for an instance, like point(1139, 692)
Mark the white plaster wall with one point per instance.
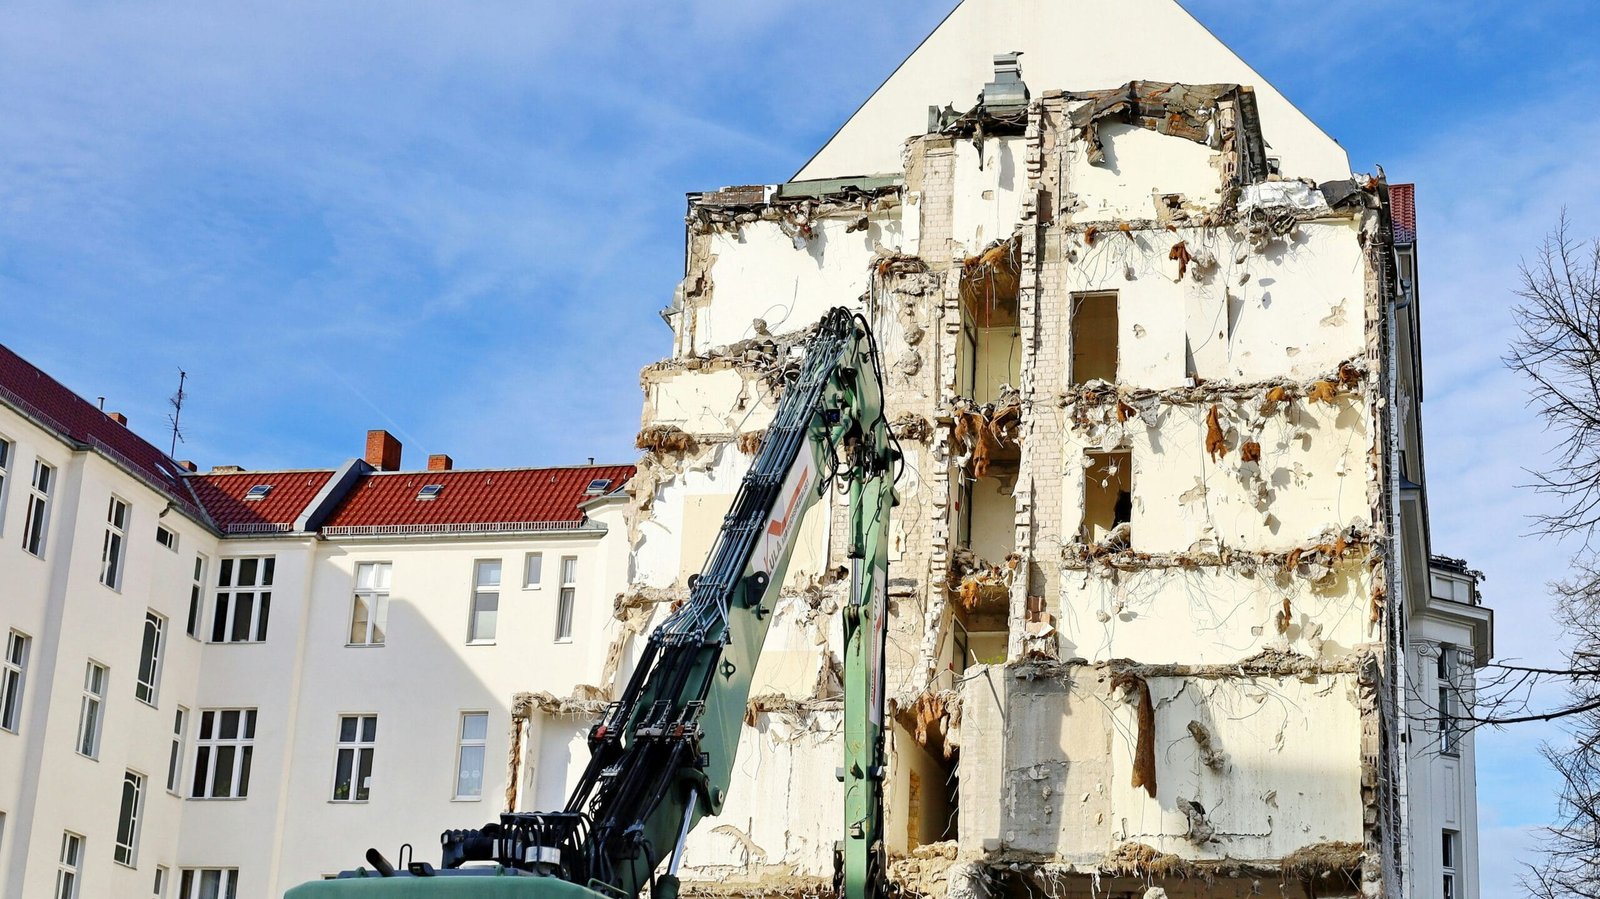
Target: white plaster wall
point(1311, 476)
point(1442, 788)
point(707, 402)
point(1211, 616)
point(783, 798)
point(1291, 778)
point(1066, 44)
point(1139, 166)
point(987, 203)
point(1297, 314)
point(787, 281)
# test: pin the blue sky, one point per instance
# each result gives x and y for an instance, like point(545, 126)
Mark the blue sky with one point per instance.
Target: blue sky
point(458, 222)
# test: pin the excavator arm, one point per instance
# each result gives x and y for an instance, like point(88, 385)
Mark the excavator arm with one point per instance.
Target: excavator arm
point(662, 754)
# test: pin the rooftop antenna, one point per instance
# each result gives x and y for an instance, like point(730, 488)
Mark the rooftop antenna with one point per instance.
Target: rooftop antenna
point(177, 412)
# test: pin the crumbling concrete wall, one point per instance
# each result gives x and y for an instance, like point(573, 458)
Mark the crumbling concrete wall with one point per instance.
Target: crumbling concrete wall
point(1194, 692)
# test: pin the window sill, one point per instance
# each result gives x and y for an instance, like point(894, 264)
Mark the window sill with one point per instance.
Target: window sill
point(480, 642)
point(365, 645)
point(533, 586)
point(89, 757)
point(563, 640)
point(348, 801)
point(236, 642)
point(467, 799)
point(149, 703)
point(114, 589)
point(218, 798)
point(133, 865)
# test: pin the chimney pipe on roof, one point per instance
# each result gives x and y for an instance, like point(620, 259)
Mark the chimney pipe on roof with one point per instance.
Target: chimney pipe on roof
point(187, 465)
point(440, 462)
point(118, 417)
point(383, 451)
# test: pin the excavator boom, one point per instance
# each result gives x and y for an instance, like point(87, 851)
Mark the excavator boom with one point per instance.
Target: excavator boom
point(662, 754)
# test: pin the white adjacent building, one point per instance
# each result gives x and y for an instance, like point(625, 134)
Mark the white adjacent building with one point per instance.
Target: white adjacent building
point(225, 684)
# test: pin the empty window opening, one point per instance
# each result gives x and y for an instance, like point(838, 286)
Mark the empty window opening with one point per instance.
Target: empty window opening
point(167, 537)
point(1094, 337)
point(1449, 850)
point(1108, 497)
point(922, 798)
point(989, 354)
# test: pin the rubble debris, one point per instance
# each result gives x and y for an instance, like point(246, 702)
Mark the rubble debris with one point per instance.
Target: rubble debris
point(1250, 451)
point(1210, 755)
point(1314, 560)
point(665, 439)
point(1180, 252)
point(1193, 112)
point(1216, 446)
point(524, 704)
point(990, 282)
point(1326, 860)
point(1266, 396)
point(932, 718)
point(749, 442)
point(1132, 859)
point(1322, 392)
point(1201, 830)
point(981, 586)
point(1144, 752)
point(911, 426)
point(983, 431)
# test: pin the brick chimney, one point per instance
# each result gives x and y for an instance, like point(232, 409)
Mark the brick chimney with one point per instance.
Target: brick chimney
point(118, 417)
point(440, 462)
point(188, 465)
point(383, 451)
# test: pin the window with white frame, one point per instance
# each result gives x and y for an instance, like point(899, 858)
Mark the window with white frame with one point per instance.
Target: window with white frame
point(167, 537)
point(369, 610)
point(111, 550)
point(1454, 589)
point(1449, 850)
point(180, 721)
point(70, 867)
point(485, 600)
point(7, 450)
point(37, 521)
point(132, 810)
point(532, 570)
point(352, 774)
point(196, 591)
point(91, 710)
point(159, 889)
point(222, 752)
point(470, 754)
point(151, 650)
point(13, 678)
point(244, 599)
point(1445, 675)
point(568, 598)
point(208, 883)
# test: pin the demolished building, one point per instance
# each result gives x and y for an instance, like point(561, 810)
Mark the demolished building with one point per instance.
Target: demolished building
point(1158, 556)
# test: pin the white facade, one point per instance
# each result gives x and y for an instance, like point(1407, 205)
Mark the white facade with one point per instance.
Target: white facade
point(417, 674)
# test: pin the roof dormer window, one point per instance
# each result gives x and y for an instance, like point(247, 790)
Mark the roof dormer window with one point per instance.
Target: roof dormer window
point(259, 491)
point(597, 486)
point(429, 492)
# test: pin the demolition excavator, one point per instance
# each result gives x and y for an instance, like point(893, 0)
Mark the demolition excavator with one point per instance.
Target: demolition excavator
point(661, 755)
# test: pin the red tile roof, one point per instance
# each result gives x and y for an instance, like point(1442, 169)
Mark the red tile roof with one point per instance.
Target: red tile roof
point(26, 388)
point(1403, 212)
point(223, 497)
point(502, 497)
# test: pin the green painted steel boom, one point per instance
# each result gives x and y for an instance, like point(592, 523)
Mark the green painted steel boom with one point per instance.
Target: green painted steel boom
point(662, 754)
